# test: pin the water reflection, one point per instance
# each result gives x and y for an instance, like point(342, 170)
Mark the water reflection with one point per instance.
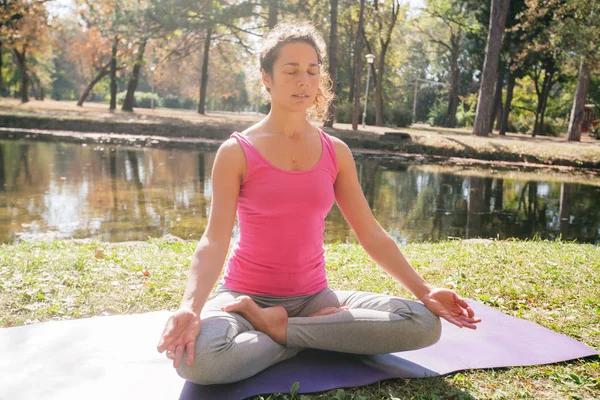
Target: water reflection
point(121, 194)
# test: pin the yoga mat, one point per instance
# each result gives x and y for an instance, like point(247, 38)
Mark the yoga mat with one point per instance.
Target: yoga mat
point(499, 341)
point(114, 357)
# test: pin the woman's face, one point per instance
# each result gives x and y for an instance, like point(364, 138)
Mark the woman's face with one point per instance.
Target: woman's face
point(295, 79)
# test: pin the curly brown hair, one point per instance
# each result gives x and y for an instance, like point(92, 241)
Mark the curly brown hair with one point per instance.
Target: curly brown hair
point(293, 31)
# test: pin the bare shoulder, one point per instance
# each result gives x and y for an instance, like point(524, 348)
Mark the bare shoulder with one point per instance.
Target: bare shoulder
point(343, 152)
point(338, 143)
point(230, 157)
point(230, 149)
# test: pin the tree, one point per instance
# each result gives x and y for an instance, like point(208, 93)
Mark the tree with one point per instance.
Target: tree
point(109, 17)
point(482, 125)
point(333, 60)
point(91, 51)
point(579, 32)
point(385, 18)
point(273, 11)
point(10, 14)
point(204, 75)
point(357, 63)
point(545, 73)
point(24, 27)
point(450, 24)
point(583, 83)
point(146, 24)
point(539, 56)
point(514, 72)
point(512, 45)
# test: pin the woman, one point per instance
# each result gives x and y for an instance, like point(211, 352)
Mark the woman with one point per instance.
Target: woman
point(282, 176)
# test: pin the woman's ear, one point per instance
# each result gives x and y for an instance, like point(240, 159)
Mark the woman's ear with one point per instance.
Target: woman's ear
point(266, 78)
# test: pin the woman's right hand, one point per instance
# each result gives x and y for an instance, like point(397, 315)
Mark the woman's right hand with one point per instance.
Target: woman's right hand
point(180, 333)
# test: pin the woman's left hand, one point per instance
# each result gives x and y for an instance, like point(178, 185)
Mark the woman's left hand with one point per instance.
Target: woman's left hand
point(448, 305)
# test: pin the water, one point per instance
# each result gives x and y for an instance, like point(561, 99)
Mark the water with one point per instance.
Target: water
point(123, 194)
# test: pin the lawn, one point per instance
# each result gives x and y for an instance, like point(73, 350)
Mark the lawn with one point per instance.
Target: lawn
point(554, 284)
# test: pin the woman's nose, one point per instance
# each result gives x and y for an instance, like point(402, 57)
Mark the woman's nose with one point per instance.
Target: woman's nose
point(303, 79)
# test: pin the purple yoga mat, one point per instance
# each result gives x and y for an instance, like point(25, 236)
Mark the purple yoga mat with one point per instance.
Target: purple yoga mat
point(499, 341)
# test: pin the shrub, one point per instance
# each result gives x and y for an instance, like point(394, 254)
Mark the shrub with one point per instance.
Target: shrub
point(144, 99)
point(343, 113)
point(520, 123)
point(399, 115)
point(171, 101)
point(121, 98)
point(140, 99)
point(554, 127)
point(189, 103)
point(437, 113)
point(464, 118)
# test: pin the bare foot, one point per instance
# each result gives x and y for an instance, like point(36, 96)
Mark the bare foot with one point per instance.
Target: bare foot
point(271, 320)
point(328, 310)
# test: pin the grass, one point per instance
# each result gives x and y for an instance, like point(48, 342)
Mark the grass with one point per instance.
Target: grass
point(554, 284)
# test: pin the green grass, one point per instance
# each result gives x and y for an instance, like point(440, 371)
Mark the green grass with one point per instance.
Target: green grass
point(554, 284)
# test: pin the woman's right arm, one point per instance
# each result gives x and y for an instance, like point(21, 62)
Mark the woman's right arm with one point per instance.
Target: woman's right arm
point(209, 256)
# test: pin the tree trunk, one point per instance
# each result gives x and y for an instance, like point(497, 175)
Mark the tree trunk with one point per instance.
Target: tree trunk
point(21, 64)
point(113, 75)
point(103, 72)
point(204, 73)
point(543, 113)
point(352, 82)
point(379, 90)
point(497, 104)
point(357, 63)
point(351, 49)
point(2, 89)
point(481, 126)
point(510, 88)
point(36, 84)
point(498, 113)
point(547, 84)
point(273, 11)
point(34, 89)
point(385, 42)
point(578, 111)
point(2, 173)
point(450, 121)
point(333, 49)
point(135, 76)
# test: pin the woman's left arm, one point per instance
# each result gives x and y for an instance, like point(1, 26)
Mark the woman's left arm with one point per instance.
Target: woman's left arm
point(382, 248)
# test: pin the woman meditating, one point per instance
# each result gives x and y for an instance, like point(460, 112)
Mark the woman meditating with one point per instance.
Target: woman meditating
point(281, 176)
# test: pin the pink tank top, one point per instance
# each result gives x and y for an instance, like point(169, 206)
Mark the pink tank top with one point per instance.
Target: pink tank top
point(281, 217)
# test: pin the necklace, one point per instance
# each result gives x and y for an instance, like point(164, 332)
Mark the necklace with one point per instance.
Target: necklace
point(305, 132)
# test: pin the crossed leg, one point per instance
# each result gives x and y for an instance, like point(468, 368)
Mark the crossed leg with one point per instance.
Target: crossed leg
point(239, 338)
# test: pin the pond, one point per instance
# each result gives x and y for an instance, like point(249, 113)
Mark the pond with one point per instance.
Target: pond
point(116, 194)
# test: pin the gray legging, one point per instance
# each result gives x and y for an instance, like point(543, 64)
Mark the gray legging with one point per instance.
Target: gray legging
point(228, 349)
